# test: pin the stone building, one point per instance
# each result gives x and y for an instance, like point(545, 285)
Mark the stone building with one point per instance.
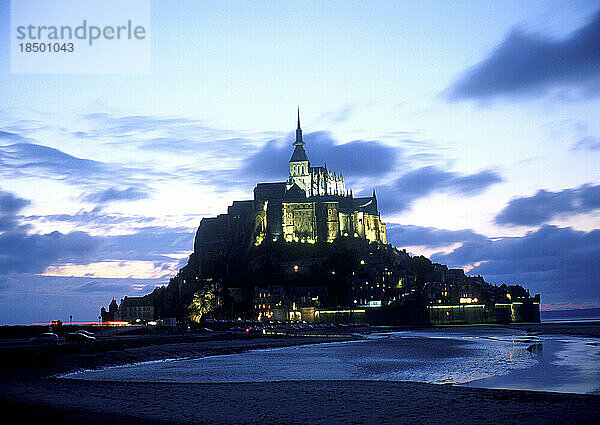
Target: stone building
point(313, 181)
point(109, 316)
point(133, 309)
point(312, 205)
point(317, 206)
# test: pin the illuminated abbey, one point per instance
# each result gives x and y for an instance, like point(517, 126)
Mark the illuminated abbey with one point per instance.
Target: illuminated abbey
point(256, 262)
point(313, 205)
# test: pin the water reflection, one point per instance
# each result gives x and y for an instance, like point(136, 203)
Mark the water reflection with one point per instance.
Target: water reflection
point(537, 350)
point(562, 365)
point(495, 358)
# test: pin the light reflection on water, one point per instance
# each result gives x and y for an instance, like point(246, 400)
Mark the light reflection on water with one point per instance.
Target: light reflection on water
point(485, 358)
point(563, 364)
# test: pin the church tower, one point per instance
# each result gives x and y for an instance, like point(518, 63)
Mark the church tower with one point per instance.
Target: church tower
point(299, 164)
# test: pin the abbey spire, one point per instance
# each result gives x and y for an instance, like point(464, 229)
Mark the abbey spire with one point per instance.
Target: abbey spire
point(299, 141)
point(299, 155)
point(314, 181)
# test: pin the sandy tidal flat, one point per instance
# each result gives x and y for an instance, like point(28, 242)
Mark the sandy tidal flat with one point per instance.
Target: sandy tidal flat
point(34, 396)
point(297, 402)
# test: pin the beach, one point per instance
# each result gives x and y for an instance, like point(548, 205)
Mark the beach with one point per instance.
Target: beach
point(304, 402)
point(34, 392)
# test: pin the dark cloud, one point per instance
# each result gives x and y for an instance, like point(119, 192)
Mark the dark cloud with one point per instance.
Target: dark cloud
point(560, 263)
point(114, 194)
point(401, 235)
point(10, 205)
point(144, 242)
point(33, 160)
point(525, 64)
point(42, 161)
point(544, 205)
point(587, 143)
point(23, 252)
point(359, 158)
point(28, 155)
point(9, 136)
point(27, 253)
point(424, 181)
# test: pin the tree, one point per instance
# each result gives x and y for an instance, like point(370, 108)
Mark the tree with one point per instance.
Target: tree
point(421, 268)
point(206, 301)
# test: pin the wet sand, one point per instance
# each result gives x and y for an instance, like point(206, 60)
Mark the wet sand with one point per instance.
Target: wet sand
point(31, 362)
point(29, 392)
point(306, 402)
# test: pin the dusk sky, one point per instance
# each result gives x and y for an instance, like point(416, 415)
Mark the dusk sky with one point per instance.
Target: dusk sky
point(477, 123)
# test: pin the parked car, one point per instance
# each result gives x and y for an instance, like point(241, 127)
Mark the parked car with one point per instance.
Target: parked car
point(80, 338)
point(45, 338)
point(253, 331)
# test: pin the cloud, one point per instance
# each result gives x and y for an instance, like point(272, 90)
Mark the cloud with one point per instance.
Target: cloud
point(94, 218)
point(115, 194)
point(13, 137)
point(339, 115)
point(110, 286)
point(206, 154)
point(424, 181)
point(10, 205)
point(409, 235)
point(22, 252)
point(121, 126)
point(525, 64)
point(173, 135)
point(33, 160)
point(220, 147)
point(587, 143)
point(545, 206)
point(28, 155)
point(30, 159)
point(359, 158)
point(223, 159)
point(560, 263)
point(151, 243)
point(25, 253)
point(142, 242)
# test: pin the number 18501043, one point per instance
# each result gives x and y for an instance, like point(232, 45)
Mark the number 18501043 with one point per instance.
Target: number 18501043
point(46, 47)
